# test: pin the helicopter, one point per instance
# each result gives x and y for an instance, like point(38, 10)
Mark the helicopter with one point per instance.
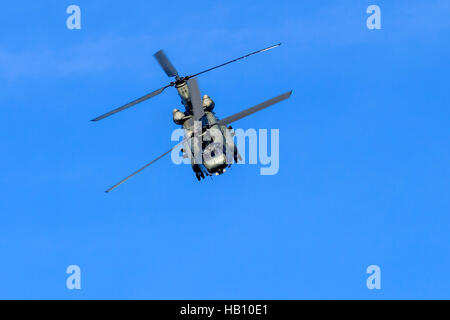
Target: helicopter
point(208, 141)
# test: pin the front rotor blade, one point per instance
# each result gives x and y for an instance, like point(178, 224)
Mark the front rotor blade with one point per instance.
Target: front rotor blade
point(135, 102)
point(243, 57)
point(166, 64)
point(148, 164)
point(254, 109)
point(196, 100)
point(141, 169)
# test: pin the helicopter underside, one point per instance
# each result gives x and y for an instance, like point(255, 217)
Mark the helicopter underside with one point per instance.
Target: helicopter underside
point(201, 173)
point(218, 168)
point(214, 159)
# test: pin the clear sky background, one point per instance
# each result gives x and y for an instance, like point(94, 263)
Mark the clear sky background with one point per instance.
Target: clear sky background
point(364, 151)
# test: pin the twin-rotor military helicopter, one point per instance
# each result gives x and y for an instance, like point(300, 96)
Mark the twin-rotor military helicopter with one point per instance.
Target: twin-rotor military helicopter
point(208, 156)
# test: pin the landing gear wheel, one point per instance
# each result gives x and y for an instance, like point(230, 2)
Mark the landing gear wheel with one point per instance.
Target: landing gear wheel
point(198, 172)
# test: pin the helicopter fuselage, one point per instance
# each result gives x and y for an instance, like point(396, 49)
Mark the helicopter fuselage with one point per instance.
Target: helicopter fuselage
point(211, 144)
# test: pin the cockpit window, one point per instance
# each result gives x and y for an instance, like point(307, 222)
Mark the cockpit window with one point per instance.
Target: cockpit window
point(213, 150)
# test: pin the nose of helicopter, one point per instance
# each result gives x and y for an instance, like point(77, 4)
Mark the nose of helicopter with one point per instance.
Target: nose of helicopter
point(215, 164)
point(214, 158)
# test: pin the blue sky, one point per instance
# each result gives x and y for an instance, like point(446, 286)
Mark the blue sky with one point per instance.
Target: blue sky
point(364, 151)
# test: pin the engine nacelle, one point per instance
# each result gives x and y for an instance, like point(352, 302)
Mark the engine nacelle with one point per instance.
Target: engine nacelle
point(178, 116)
point(208, 103)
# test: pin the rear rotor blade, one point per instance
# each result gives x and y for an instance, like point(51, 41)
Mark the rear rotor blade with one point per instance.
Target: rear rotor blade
point(166, 64)
point(243, 57)
point(254, 109)
point(135, 102)
point(196, 100)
